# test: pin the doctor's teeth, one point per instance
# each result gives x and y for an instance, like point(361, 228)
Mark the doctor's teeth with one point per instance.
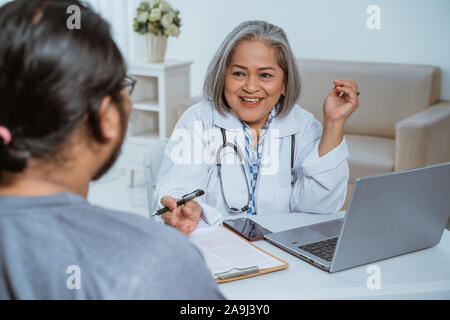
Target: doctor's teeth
point(251, 100)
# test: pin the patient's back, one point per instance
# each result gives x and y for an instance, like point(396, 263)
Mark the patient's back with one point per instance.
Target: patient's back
point(61, 247)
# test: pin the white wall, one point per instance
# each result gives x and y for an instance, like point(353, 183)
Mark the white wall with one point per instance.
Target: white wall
point(412, 31)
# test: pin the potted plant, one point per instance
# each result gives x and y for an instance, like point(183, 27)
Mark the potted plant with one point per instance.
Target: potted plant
point(157, 21)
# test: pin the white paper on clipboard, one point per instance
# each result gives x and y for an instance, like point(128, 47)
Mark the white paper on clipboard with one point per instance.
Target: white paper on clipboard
point(225, 251)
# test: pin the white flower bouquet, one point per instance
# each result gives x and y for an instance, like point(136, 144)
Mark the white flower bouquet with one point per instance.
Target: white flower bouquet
point(158, 18)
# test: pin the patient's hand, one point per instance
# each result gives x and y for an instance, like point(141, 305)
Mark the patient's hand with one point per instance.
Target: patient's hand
point(184, 218)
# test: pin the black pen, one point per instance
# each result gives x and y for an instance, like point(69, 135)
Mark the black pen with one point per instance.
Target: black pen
point(183, 200)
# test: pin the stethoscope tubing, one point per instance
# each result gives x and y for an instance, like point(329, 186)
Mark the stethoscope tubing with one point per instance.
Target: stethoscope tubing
point(219, 169)
point(241, 160)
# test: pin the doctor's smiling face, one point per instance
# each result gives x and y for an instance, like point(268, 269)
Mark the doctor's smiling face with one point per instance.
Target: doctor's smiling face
point(254, 82)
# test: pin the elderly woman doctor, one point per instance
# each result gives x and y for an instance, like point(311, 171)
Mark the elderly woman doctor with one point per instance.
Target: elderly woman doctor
point(248, 145)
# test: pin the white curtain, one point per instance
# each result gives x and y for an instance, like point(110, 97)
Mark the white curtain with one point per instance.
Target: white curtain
point(2, 2)
point(118, 14)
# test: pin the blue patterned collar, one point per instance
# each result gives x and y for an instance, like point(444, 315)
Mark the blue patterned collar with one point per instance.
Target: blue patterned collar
point(253, 155)
point(272, 115)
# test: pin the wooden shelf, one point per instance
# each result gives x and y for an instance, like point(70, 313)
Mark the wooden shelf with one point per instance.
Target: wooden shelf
point(148, 104)
point(159, 89)
point(144, 138)
point(144, 68)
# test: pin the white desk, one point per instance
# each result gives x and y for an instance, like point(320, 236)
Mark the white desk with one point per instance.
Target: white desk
point(424, 274)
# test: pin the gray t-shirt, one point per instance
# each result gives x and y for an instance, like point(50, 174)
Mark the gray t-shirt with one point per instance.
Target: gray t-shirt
point(61, 247)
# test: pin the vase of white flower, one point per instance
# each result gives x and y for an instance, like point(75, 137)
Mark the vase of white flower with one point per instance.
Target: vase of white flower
point(155, 47)
point(157, 21)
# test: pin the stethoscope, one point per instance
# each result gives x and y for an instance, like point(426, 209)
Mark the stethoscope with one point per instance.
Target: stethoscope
point(236, 150)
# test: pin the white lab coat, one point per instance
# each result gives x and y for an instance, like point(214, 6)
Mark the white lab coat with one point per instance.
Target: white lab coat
point(189, 163)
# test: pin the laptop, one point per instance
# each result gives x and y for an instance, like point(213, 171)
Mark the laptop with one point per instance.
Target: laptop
point(388, 215)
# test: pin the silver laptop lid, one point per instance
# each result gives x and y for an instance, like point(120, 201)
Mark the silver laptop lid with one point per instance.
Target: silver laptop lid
point(392, 214)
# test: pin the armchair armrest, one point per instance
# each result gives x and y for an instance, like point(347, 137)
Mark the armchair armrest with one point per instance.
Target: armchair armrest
point(423, 138)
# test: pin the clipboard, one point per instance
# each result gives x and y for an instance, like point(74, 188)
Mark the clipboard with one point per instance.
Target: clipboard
point(234, 272)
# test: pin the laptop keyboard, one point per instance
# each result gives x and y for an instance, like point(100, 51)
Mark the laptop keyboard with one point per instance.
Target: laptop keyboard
point(323, 249)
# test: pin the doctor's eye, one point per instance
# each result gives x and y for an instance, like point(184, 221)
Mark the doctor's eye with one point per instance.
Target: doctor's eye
point(238, 74)
point(266, 75)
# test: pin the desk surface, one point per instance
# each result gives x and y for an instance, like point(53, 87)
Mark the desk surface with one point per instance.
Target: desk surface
point(423, 274)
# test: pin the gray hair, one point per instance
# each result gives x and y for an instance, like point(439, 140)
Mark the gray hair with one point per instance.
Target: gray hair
point(274, 37)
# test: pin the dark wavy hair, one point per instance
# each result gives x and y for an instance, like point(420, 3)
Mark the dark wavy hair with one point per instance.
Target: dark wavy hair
point(52, 78)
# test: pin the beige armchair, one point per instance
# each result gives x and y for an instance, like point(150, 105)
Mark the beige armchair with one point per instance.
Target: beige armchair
point(400, 123)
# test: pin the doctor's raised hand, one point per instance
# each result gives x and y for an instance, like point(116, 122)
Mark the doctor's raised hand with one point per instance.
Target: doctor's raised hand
point(340, 103)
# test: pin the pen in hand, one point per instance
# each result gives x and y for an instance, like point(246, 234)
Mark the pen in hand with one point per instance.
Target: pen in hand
point(183, 200)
